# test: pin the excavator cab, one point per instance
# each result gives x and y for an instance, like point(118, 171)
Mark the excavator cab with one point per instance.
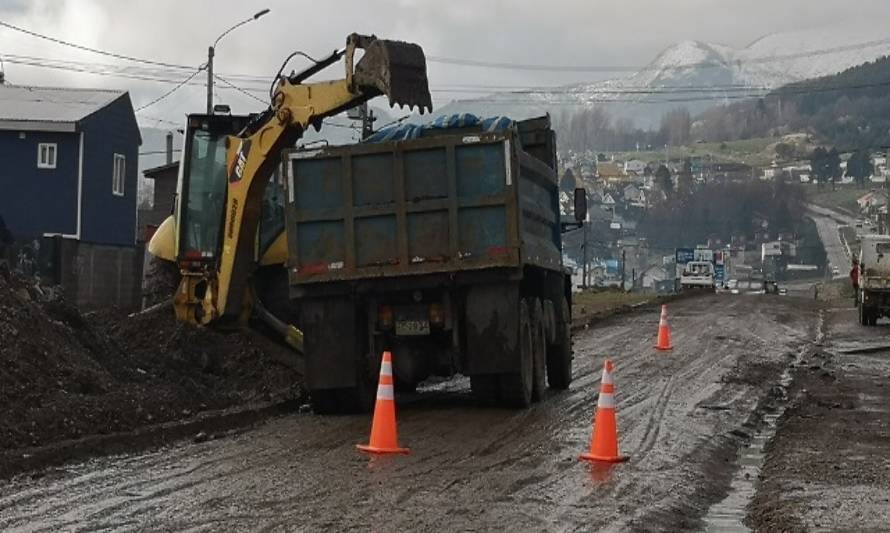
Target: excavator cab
point(202, 188)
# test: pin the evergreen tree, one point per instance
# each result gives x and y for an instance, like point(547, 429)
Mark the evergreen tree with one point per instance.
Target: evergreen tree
point(833, 166)
point(664, 181)
point(684, 178)
point(859, 167)
point(817, 165)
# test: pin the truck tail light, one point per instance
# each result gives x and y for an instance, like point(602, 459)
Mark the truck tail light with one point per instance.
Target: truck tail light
point(437, 315)
point(384, 317)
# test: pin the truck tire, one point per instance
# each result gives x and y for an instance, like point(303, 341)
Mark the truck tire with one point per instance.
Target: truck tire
point(539, 351)
point(359, 397)
point(485, 388)
point(559, 355)
point(352, 400)
point(516, 387)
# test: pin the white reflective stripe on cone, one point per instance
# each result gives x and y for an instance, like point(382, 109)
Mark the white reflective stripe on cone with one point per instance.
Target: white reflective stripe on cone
point(607, 377)
point(385, 392)
point(386, 368)
point(606, 401)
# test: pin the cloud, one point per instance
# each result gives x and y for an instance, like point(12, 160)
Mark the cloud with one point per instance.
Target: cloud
point(605, 32)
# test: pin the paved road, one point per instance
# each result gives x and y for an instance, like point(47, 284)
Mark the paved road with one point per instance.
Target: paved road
point(827, 224)
point(471, 468)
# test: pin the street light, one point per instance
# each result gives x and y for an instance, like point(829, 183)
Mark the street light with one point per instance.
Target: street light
point(210, 53)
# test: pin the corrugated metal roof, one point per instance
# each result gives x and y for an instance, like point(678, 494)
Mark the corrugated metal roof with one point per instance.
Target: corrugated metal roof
point(55, 105)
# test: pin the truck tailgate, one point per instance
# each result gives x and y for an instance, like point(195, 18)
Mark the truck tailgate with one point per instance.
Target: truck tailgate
point(436, 204)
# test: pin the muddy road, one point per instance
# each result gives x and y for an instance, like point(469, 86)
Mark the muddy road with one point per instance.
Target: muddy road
point(827, 469)
point(681, 416)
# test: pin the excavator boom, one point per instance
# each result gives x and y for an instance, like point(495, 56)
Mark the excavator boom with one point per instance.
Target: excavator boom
point(221, 290)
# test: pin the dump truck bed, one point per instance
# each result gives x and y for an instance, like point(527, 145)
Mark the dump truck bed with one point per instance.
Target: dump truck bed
point(446, 203)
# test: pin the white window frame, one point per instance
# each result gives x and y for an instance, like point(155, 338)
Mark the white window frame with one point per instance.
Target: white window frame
point(45, 149)
point(119, 175)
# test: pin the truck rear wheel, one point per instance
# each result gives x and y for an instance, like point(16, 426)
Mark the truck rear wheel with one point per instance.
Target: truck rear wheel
point(516, 388)
point(559, 355)
point(539, 351)
point(485, 387)
point(330, 350)
point(351, 400)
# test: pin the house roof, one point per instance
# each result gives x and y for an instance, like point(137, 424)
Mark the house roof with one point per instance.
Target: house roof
point(609, 170)
point(50, 108)
point(152, 173)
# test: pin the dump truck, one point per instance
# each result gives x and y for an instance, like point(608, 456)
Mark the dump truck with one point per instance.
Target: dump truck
point(444, 249)
point(874, 279)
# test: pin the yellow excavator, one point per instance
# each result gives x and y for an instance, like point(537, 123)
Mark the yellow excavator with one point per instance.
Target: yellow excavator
point(226, 236)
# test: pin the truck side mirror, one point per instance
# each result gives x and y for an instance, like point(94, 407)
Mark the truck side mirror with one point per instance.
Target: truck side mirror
point(580, 204)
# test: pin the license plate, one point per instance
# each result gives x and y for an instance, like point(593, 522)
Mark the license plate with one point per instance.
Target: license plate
point(412, 327)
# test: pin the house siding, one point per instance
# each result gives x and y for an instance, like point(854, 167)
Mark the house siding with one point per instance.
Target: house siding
point(108, 218)
point(35, 200)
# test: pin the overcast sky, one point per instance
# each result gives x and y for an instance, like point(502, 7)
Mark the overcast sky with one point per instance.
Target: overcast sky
point(580, 32)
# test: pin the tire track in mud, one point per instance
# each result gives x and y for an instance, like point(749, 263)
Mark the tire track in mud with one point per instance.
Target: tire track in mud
point(471, 467)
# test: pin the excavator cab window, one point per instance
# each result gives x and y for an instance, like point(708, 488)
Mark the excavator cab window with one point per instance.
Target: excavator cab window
point(203, 194)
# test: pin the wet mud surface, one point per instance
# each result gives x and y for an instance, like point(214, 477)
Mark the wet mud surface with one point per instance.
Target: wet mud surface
point(828, 467)
point(681, 418)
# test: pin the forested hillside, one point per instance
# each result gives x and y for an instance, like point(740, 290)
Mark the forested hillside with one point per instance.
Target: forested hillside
point(849, 110)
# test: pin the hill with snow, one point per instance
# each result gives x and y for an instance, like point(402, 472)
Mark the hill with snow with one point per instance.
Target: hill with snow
point(697, 75)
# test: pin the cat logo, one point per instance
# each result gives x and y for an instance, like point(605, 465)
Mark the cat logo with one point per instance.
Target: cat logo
point(237, 170)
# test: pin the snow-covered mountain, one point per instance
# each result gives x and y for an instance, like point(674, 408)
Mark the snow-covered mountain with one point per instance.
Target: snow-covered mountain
point(697, 75)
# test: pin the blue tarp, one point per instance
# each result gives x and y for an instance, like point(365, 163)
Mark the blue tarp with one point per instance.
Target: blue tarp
point(401, 132)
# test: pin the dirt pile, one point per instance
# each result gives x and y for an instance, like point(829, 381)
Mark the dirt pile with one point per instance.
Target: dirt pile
point(64, 375)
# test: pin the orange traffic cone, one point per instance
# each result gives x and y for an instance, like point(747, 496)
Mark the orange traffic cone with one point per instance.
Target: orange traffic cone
point(384, 437)
point(604, 442)
point(664, 331)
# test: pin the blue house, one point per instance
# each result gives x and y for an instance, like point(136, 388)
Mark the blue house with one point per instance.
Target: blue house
point(70, 161)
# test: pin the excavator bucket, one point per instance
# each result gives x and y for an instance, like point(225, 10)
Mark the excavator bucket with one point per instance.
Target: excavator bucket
point(394, 68)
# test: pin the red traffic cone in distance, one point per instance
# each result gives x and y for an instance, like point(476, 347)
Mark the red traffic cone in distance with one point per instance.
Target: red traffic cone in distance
point(384, 436)
point(604, 441)
point(664, 331)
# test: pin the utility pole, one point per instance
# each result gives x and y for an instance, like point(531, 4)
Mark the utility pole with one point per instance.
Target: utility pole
point(210, 80)
point(211, 52)
point(623, 267)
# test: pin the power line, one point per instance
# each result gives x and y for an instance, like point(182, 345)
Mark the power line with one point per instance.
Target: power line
point(627, 68)
point(240, 90)
point(93, 50)
point(158, 119)
point(168, 93)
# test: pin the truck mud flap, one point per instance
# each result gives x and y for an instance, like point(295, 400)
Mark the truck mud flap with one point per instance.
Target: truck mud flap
point(331, 342)
point(492, 329)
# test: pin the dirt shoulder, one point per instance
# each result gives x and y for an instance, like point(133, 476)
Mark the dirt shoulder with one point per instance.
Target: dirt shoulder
point(71, 382)
point(592, 306)
point(826, 468)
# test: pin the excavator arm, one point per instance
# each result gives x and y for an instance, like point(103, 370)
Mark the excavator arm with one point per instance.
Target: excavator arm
point(223, 292)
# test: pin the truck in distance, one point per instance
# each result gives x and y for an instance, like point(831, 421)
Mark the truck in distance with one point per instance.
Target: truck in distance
point(698, 275)
point(874, 279)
